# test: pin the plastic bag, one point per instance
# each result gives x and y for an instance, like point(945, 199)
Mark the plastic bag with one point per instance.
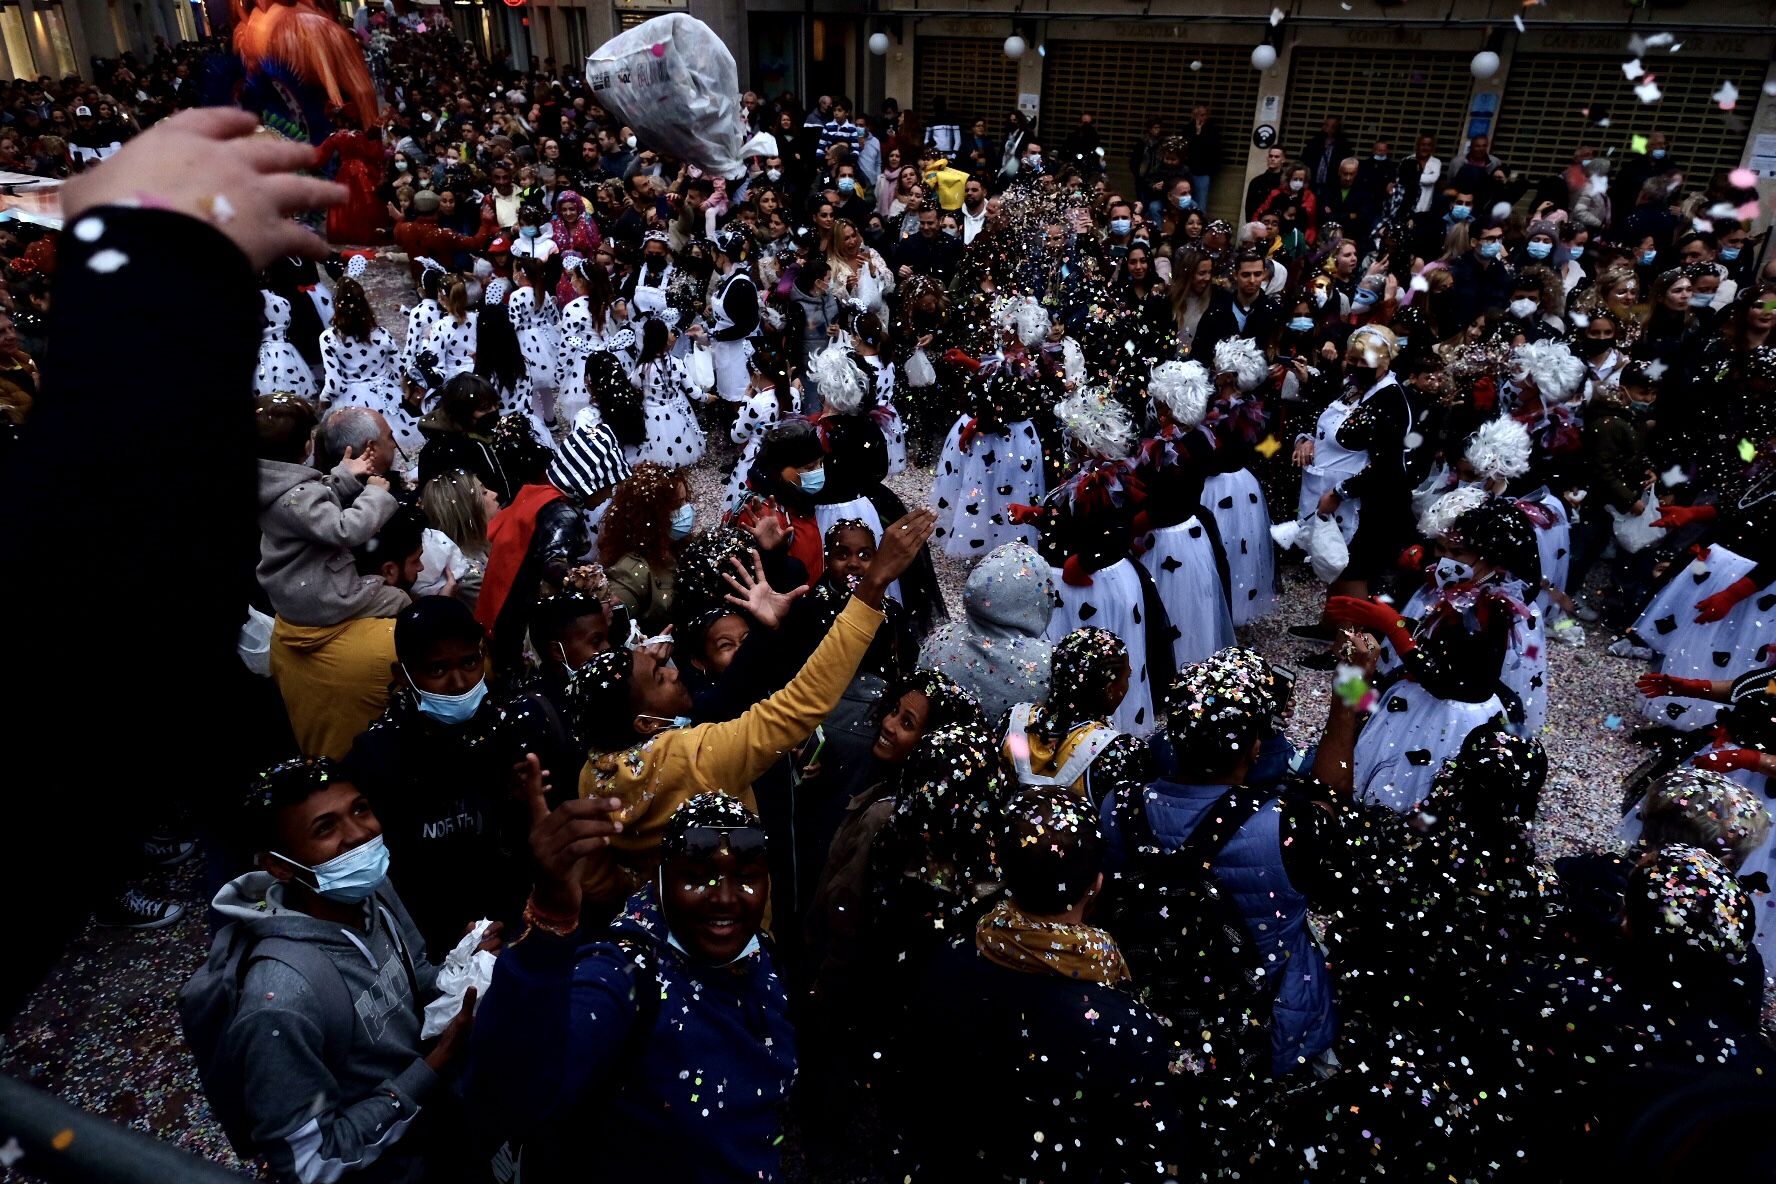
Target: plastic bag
point(700, 365)
point(919, 371)
point(440, 561)
point(673, 81)
point(1636, 532)
point(254, 643)
point(1319, 538)
point(464, 967)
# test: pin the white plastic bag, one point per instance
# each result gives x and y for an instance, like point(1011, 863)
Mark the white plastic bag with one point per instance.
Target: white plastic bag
point(919, 371)
point(254, 643)
point(1636, 532)
point(440, 561)
point(1327, 552)
point(673, 81)
point(464, 967)
point(700, 365)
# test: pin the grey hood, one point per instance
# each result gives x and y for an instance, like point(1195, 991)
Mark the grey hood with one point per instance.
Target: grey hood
point(1010, 593)
point(999, 649)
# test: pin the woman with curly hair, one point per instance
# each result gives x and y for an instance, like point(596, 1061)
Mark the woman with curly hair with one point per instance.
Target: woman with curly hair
point(357, 354)
point(650, 514)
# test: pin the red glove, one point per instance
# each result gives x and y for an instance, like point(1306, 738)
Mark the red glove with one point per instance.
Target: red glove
point(1412, 558)
point(1073, 572)
point(1655, 685)
point(1019, 514)
point(956, 357)
point(1377, 618)
point(1713, 608)
point(965, 441)
point(1726, 760)
point(1675, 516)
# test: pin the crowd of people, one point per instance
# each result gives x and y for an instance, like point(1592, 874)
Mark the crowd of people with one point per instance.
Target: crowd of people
point(770, 862)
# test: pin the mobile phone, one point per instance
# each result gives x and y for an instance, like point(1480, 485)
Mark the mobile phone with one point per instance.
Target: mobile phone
point(1285, 692)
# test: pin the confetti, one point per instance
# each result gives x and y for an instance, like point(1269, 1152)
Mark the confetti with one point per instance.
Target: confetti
point(1727, 97)
point(1739, 179)
point(1648, 91)
point(1633, 69)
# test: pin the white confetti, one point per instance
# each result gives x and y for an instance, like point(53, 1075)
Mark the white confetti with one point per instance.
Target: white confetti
point(11, 1152)
point(1196, 65)
point(1675, 475)
point(1516, 20)
point(1770, 88)
point(88, 230)
point(1723, 209)
point(1660, 39)
point(1655, 369)
point(1649, 91)
point(1727, 96)
point(1420, 284)
point(1276, 17)
point(1633, 69)
point(1501, 211)
point(1676, 45)
point(107, 261)
point(221, 210)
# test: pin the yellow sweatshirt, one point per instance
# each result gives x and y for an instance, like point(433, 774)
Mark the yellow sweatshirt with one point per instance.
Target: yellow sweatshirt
point(948, 182)
point(655, 777)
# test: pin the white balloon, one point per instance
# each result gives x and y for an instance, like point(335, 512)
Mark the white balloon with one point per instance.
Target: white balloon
point(1484, 65)
point(1264, 57)
point(878, 44)
point(1014, 46)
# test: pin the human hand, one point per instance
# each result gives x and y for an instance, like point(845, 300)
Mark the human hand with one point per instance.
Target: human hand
point(453, 1042)
point(762, 602)
point(1329, 502)
point(1729, 760)
point(209, 164)
point(1303, 454)
point(561, 839)
point(377, 482)
point(1712, 608)
point(1655, 685)
point(767, 524)
point(900, 545)
point(358, 466)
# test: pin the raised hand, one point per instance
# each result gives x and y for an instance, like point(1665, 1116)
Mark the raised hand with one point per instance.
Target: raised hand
point(561, 839)
point(754, 593)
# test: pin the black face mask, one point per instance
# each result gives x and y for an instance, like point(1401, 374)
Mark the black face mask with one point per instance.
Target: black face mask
point(1363, 377)
point(1593, 347)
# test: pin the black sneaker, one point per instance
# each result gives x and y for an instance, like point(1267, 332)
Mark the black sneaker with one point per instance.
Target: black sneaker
point(138, 910)
point(168, 852)
point(1317, 660)
point(1318, 631)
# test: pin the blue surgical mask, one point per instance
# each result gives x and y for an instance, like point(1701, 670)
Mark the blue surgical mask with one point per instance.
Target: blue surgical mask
point(1728, 254)
point(1702, 299)
point(815, 481)
point(1539, 250)
point(683, 519)
point(527, 231)
point(1380, 156)
point(847, 185)
point(449, 709)
point(1492, 249)
point(1658, 154)
point(1121, 226)
point(350, 877)
point(1576, 251)
point(1461, 213)
point(1301, 324)
point(1185, 201)
point(677, 721)
point(1647, 257)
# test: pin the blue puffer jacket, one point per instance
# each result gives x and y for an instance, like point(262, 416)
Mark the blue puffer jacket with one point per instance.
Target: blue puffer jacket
point(1250, 868)
point(698, 1098)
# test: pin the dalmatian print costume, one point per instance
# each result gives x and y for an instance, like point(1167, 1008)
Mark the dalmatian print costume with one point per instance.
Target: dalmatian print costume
point(360, 373)
point(674, 438)
point(281, 367)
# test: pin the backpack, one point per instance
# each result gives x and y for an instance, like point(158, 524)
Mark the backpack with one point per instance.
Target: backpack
point(1071, 770)
point(210, 999)
point(1187, 945)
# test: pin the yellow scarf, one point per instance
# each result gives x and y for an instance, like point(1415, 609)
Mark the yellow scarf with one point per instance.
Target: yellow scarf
point(1008, 938)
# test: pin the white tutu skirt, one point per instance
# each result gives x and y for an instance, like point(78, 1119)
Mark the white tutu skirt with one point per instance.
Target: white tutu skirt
point(1314, 484)
point(1722, 649)
point(1237, 502)
point(1553, 544)
point(1525, 671)
point(1113, 602)
point(862, 509)
point(894, 433)
point(375, 394)
point(283, 368)
point(541, 348)
point(973, 488)
point(737, 479)
point(1181, 560)
point(674, 437)
point(1407, 739)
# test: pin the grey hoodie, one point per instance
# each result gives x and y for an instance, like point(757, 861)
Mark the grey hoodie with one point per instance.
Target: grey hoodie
point(308, 525)
point(999, 649)
point(313, 1120)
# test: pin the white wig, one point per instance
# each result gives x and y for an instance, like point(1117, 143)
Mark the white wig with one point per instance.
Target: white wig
point(1026, 318)
point(1500, 448)
point(1183, 389)
point(841, 384)
point(1439, 520)
point(1072, 362)
point(1097, 423)
point(1241, 357)
point(1556, 373)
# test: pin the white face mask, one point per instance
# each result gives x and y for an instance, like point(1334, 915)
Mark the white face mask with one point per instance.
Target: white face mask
point(1451, 571)
point(1524, 308)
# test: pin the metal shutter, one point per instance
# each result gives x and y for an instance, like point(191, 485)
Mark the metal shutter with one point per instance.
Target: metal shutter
point(1124, 84)
point(1381, 93)
point(973, 76)
point(1541, 119)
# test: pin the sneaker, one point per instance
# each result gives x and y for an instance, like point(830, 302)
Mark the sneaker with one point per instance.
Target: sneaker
point(167, 852)
point(1583, 610)
point(1317, 660)
point(1318, 631)
point(137, 910)
point(1627, 647)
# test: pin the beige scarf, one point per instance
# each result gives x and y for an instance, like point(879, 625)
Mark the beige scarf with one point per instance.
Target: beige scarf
point(1010, 939)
